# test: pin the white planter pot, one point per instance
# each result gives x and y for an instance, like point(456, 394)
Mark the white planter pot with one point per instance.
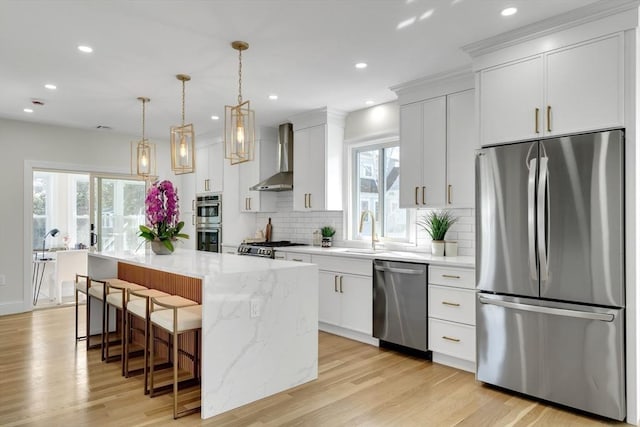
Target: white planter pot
point(437, 248)
point(450, 248)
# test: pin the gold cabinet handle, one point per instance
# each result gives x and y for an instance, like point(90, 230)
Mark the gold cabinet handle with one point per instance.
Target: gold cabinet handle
point(305, 200)
point(537, 120)
point(249, 203)
point(309, 200)
point(548, 118)
point(423, 189)
point(206, 185)
point(341, 285)
point(450, 276)
point(449, 193)
point(296, 259)
point(417, 188)
point(335, 283)
point(444, 337)
point(452, 304)
point(193, 204)
point(193, 220)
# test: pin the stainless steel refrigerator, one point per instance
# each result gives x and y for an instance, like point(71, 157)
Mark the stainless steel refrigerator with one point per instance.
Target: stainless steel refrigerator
point(550, 270)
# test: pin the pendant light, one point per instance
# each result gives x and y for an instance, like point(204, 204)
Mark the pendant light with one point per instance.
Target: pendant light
point(143, 153)
point(182, 141)
point(239, 121)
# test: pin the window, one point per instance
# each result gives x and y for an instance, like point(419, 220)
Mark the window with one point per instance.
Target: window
point(376, 188)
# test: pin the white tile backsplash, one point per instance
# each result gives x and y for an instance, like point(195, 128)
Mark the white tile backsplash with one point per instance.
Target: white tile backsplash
point(299, 227)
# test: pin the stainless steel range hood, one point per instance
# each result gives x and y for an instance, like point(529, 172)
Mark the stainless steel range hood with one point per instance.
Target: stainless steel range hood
point(283, 180)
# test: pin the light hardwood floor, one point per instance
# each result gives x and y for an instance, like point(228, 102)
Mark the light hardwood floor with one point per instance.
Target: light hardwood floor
point(45, 379)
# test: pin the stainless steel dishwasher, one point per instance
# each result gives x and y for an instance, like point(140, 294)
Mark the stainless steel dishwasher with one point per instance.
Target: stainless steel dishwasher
point(400, 303)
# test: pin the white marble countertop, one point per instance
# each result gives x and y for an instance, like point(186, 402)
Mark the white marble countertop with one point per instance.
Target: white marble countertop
point(421, 257)
point(200, 264)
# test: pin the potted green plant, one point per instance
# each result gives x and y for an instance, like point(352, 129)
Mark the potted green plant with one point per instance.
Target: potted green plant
point(327, 235)
point(436, 224)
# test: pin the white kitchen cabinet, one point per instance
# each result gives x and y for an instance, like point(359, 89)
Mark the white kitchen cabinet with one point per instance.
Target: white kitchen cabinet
point(261, 167)
point(187, 194)
point(346, 301)
point(317, 161)
point(209, 172)
point(437, 146)
point(452, 316)
point(576, 88)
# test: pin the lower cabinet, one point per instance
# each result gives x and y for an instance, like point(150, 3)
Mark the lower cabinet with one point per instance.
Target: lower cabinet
point(345, 301)
point(452, 316)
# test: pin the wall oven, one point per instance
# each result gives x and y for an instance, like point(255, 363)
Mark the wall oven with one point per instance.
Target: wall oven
point(208, 210)
point(209, 222)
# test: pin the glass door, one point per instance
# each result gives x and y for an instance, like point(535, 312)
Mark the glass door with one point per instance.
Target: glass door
point(117, 206)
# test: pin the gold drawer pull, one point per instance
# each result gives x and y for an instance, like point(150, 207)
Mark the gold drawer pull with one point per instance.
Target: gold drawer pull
point(452, 304)
point(296, 259)
point(548, 118)
point(537, 120)
point(444, 337)
point(450, 276)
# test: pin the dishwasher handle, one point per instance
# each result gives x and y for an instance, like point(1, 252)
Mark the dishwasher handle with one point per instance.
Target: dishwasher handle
point(549, 310)
point(398, 270)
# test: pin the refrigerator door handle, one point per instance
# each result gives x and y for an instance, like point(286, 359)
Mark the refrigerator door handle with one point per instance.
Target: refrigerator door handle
point(542, 218)
point(531, 216)
point(549, 310)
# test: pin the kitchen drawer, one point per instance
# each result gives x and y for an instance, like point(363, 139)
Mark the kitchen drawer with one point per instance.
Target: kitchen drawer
point(453, 304)
point(453, 339)
point(292, 256)
point(343, 265)
point(448, 276)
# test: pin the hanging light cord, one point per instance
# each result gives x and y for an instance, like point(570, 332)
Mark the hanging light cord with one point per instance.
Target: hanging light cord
point(183, 103)
point(143, 115)
point(240, 76)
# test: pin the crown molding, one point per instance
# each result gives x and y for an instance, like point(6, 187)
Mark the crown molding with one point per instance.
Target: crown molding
point(570, 19)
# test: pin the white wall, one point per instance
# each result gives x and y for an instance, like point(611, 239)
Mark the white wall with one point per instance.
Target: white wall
point(27, 146)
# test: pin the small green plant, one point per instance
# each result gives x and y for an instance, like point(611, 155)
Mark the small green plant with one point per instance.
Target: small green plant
point(327, 231)
point(436, 223)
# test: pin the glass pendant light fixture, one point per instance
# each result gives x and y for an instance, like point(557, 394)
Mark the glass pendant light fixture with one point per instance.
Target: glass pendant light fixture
point(143, 153)
point(182, 141)
point(239, 121)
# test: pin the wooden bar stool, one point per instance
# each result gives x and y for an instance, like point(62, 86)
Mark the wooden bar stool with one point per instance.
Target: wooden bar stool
point(176, 321)
point(141, 308)
point(115, 296)
point(81, 285)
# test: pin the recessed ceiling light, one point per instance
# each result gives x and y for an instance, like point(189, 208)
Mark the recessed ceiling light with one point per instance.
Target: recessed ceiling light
point(406, 23)
point(50, 86)
point(426, 15)
point(369, 102)
point(85, 49)
point(273, 97)
point(28, 110)
point(361, 65)
point(215, 118)
point(508, 11)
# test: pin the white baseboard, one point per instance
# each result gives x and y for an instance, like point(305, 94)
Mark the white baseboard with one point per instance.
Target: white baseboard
point(444, 359)
point(348, 333)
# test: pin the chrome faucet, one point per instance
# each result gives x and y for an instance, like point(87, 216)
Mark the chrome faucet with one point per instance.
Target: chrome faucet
point(363, 216)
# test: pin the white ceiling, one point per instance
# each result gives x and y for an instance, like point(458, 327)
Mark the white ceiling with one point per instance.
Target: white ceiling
point(302, 50)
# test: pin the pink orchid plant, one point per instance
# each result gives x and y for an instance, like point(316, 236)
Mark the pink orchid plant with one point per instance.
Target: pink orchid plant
point(163, 215)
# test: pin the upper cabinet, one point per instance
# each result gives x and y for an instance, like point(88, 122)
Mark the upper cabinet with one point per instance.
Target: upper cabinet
point(261, 167)
point(209, 163)
point(571, 89)
point(437, 142)
point(317, 160)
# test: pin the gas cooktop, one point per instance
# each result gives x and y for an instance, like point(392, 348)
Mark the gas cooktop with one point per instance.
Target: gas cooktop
point(264, 249)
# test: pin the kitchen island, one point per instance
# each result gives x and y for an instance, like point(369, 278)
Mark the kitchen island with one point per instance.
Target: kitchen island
point(259, 325)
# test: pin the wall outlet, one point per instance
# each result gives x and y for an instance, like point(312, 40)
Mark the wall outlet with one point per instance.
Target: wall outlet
point(3, 280)
point(255, 307)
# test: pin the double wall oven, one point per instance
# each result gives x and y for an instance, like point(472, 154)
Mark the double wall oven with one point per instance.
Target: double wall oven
point(209, 222)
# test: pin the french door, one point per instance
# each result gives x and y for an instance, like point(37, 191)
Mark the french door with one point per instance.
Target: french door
point(117, 207)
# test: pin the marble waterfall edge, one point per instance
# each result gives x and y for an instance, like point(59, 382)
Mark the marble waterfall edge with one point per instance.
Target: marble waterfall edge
point(264, 351)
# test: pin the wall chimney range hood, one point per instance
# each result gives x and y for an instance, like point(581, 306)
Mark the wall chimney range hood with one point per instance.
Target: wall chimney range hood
point(283, 180)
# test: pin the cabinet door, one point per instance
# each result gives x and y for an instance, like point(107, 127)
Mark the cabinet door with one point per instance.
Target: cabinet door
point(329, 298)
point(202, 169)
point(249, 175)
point(357, 303)
point(585, 86)
point(300, 169)
point(509, 96)
point(316, 164)
point(216, 164)
point(461, 146)
point(434, 134)
point(410, 155)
